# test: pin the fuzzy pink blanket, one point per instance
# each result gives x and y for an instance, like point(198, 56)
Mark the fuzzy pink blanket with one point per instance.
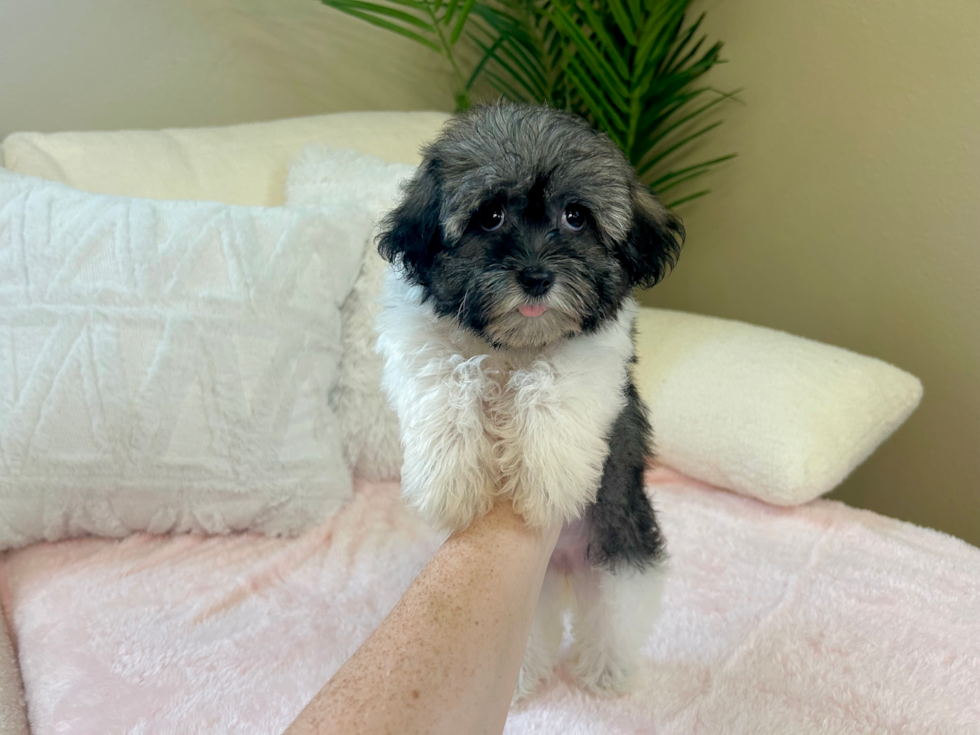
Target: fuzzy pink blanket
point(816, 619)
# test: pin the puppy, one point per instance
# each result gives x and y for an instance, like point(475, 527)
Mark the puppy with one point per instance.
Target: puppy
point(507, 342)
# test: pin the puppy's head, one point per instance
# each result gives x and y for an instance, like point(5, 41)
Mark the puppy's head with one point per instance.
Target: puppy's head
point(527, 226)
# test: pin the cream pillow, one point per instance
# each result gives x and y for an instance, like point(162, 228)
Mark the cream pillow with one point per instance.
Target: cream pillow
point(761, 412)
point(238, 164)
point(753, 410)
point(166, 366)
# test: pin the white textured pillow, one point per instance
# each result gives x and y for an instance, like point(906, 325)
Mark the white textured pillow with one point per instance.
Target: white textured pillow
point(761, 412)
point(322, 176)
point(166, 366)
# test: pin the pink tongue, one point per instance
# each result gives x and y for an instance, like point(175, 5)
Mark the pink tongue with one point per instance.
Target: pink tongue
point(528, 310)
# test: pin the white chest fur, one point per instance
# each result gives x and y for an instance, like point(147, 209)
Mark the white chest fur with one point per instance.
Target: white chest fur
point(477, 423)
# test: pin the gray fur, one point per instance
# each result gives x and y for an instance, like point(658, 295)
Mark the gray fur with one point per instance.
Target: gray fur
point(534, 162)
point(506, 147)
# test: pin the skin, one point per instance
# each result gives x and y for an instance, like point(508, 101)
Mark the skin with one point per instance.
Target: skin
point(447, 657)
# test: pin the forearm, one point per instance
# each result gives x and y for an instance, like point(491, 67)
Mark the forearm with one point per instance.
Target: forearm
point(446, 658)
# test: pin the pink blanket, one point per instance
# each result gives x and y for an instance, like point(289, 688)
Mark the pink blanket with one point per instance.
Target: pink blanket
point(817, 619)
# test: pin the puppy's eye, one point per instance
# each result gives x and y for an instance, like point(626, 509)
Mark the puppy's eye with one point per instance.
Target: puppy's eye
point(573, 217)
point(490, 218)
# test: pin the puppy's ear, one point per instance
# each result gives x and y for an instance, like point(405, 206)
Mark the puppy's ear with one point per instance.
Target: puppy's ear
point(410, 233)
point(654, 242)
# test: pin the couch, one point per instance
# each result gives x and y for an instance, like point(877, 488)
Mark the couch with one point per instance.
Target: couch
point(780, 616)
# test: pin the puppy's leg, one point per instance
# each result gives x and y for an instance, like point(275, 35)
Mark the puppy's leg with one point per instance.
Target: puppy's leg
point(448, 469)
point(543, 644)
point(553, 442)
point(614, 614)
point(555, 438)
point(619, 581)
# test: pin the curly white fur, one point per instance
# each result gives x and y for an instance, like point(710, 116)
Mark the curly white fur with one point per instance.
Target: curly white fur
point(476, 422)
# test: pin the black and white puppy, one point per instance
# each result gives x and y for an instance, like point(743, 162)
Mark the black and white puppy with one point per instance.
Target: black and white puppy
point(507, 344)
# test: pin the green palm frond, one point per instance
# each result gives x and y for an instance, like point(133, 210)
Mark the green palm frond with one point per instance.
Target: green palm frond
point(629, 67)
point(632, 68)
point(436, 24)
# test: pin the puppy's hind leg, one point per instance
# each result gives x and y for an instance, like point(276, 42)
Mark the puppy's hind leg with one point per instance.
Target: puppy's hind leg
point(618, 581)
point(541, 653)
point(614, 614)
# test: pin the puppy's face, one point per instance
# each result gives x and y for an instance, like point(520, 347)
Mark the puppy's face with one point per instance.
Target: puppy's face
point(526, 226)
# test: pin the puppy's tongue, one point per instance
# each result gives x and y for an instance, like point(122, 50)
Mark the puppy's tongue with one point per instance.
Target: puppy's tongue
point(528, 310)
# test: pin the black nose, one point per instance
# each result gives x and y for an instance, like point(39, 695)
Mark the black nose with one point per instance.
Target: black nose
point(536, 281)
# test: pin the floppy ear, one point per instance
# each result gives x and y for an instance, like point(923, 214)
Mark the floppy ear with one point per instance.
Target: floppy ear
point(654, 242)
point(410, 233)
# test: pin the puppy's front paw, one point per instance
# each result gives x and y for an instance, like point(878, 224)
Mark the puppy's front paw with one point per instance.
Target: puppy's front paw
point(449, 503)
point(550, 454)
point(446, 475)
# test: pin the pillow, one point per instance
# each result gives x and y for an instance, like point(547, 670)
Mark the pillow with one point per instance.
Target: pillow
point(166, 366)
point(322, 176)
point(761, 412)
point(238, 164)
point(245, 164)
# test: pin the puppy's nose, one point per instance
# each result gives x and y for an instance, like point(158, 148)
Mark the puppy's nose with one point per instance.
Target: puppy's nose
point(536, 281)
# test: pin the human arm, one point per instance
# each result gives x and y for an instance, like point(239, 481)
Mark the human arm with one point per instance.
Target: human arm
point(447, 657)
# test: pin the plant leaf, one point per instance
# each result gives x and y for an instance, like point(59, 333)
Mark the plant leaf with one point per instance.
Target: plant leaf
point(528, 84)
point(506, 89)
point(588, 50)
point(630, 67)
point(605, 41)
point(381, 23)
point(680, 144)
point(623, 20)
point(662, 133)
point(683, 200)
point(376, 9)
point(450, 12)
point(594, 98)
point(488, 54)
point(682, 42)
point(652, 31)
point(674, 178)
point(682, 179)
point(461, 21)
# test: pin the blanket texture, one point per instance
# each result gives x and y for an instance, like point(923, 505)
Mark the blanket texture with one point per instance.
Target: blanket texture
point(814, 619)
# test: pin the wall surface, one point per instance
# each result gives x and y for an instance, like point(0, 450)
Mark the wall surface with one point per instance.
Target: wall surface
point(852, 216)
point(111, 64)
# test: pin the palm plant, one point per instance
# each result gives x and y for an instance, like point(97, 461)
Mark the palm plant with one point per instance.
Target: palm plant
point(630, 67)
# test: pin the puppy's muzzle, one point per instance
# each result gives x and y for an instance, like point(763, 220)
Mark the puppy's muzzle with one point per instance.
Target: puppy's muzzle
point(536, 281)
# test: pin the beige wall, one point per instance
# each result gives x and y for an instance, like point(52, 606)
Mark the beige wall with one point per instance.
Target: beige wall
point(109, 64)
point(852, 216)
